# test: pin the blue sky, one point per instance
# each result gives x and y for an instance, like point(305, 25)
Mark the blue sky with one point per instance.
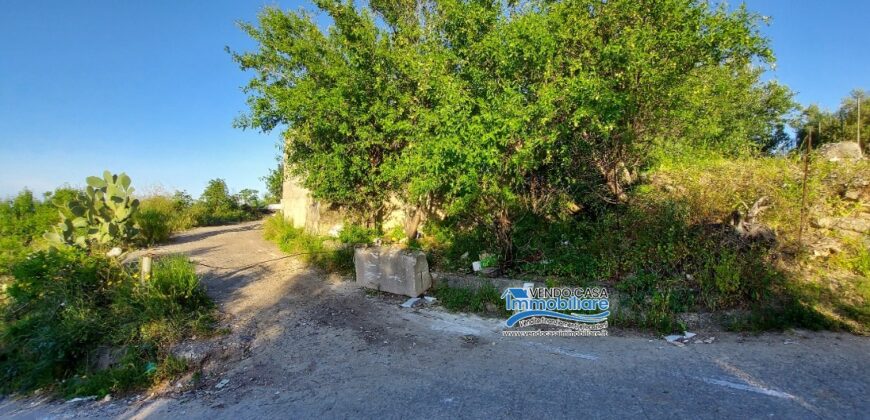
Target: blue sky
point(147, 88)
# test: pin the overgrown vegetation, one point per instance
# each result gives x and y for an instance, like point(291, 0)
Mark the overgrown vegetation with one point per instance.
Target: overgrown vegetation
point(163, 214)
point(836, 126)
point(488, 111)
point(485, 299)
point(23, 221)
point(84, 325)
point(673, 249)
point(100, 216)
point(77, 321)
point(330, 254)
point(578, 140)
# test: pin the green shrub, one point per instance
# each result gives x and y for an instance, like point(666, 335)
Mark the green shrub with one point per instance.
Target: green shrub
point(174, 286)
point(175, 209)
point(64, 307)
point(470, 300)
point(154, 226)
point(357, 235)
point(161, 215)
point(204, 215)
point(217, 207)
point(23, 220)
point(653, 301)
point(319, 251)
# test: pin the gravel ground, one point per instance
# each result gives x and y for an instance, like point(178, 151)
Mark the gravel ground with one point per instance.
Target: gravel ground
point(304, 344)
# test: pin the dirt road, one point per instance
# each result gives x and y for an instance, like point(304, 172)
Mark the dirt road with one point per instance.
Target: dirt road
point(304, 344)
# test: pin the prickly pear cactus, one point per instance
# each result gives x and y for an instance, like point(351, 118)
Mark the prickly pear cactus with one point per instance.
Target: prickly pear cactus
point(102, 214)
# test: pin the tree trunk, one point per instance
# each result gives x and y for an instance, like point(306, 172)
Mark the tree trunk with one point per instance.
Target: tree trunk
point(504, 238)
point(413, 219)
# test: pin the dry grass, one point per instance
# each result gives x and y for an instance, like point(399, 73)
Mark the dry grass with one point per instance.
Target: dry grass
point(837, 285)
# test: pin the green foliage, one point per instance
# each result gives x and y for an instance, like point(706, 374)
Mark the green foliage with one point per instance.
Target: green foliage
point(64, 309)
point(101, 215)
point(154, 226)
point(470, 300)
point(23, 220)
point(836, 126)
point(160, 216)
point(217, 207)
point(274, 184)
point(249, 199)
point(490, 111)
point(216, 196)
point(357, 235)
point(581, 139)
point(671, 249)
point(315, 250)
point(860, 263)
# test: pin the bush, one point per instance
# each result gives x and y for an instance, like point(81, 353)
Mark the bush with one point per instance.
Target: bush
point(174, 209)
point(23, 220)
point(160, 216)
point(357, 235)
point(470, 300)
point(217, 207)
point(316, 250)
point(670, 249)
point(205, 215)
point(64, 309)
point(154, 226)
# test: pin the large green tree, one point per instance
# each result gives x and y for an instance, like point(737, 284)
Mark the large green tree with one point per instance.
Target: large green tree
point(488, 110)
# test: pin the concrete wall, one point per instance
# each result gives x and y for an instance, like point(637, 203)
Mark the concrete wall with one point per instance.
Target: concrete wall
point(295, 202)
point(323, 218)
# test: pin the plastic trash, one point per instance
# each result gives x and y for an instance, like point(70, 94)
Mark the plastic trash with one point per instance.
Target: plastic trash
point(410, 302)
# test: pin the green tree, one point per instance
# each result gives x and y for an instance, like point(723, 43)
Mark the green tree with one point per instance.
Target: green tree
point(249, 198)
point(343, 95)
point(274, 184)
point(216, 196)
point(23, 220)
point(837, 126)
point(490, 110)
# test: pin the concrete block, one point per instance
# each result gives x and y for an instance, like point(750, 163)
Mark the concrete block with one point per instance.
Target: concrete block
point(392, 270)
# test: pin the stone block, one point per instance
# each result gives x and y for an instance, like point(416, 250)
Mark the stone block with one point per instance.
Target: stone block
point(842, 151)
point(392, 270)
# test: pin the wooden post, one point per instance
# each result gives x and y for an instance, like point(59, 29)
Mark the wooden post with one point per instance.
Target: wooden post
point(804, 193)
point(860, 149)
point(145, 266)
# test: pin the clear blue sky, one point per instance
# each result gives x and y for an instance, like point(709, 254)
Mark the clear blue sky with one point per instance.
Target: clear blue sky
point(147, 88)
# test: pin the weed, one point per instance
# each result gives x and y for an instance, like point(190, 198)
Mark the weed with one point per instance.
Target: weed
point(319, 251)
point(63, 306)
point(471, 300)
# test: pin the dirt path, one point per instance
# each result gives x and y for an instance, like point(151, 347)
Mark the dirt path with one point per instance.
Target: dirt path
point(304, 344)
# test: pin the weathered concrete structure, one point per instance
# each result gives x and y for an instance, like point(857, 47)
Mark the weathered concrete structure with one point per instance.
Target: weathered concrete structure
point(320, 217)
point(392, 270)
point(295, 201)
point(304, 211)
